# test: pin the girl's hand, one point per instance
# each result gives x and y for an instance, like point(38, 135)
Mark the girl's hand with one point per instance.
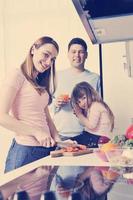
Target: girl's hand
point(45, 139)
point(77, 110)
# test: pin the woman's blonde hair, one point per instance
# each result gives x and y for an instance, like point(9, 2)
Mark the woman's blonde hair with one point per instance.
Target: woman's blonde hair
point(85, 88)
point(46, 78)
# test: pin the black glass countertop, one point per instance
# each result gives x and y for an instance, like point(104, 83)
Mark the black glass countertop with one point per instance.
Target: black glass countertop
point(89, 183)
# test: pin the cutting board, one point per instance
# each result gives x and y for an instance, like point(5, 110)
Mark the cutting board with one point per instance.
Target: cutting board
point(58, 153)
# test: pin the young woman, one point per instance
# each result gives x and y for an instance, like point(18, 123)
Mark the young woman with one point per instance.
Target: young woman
point(24, 105)
point(93, 113)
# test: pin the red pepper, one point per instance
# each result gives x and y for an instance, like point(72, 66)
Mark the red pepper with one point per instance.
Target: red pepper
point(129, 132)
point(103, 140)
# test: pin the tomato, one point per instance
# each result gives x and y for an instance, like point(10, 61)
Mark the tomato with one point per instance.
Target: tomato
point(129, 132)
point(65, 97)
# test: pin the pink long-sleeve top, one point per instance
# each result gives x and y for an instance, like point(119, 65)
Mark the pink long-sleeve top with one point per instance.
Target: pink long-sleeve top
point(28, 106)
point(99, 120)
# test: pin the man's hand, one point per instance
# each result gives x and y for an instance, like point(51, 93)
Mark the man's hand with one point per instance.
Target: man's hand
point(61, 101)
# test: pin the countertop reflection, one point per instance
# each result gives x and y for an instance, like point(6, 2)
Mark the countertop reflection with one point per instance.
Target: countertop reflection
point(90, 183)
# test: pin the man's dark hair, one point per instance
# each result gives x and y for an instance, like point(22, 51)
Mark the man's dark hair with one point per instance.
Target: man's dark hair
point(77, 41)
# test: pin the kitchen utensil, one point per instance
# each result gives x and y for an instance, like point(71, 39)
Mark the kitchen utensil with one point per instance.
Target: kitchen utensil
point(58, 153)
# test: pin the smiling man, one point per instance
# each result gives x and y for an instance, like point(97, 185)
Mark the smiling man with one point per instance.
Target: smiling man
point(64, 119)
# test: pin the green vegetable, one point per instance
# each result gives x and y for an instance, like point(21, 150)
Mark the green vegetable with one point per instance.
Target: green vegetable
point(119, 139)
point(129, 143)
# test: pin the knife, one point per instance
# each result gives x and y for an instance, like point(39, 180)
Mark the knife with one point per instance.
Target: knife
point(66, 144)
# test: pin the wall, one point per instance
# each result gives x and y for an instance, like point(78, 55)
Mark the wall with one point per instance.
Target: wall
point(25, 21)
point(118, 87)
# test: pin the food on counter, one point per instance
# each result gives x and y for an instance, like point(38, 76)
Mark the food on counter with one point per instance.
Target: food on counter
point(123, 141)
point(129, 132)
point(71, 151)
point(79, 147)
point(103, 140)
point(119, 150)
point(129, 143)
point(108, 146)
point(119, 140)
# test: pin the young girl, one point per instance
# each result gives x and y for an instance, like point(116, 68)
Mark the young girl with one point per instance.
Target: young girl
point(93, 113)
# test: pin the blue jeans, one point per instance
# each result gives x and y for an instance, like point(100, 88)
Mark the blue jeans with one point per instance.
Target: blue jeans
point(20, 155)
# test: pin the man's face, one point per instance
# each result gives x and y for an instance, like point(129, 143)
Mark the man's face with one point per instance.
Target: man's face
point(77, 55)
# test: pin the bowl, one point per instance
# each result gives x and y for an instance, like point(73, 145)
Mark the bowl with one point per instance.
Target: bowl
point(114, 155)
point(128, 152)
point(101, 155)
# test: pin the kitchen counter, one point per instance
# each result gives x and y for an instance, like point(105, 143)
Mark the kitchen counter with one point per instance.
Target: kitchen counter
point(66, 168)
point(83, 160)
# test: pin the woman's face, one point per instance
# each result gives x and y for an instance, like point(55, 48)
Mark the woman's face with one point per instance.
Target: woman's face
point(43, 57)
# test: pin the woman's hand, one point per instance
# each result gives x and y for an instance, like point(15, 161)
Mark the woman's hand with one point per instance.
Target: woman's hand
point(70, 141)
point(45, 139)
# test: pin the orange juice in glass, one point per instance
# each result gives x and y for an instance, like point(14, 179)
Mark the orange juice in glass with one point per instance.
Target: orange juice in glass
point(65, 97)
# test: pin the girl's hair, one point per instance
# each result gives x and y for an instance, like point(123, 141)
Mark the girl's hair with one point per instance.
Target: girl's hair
point(44, 80)
point(89, 193)
point(92, 96)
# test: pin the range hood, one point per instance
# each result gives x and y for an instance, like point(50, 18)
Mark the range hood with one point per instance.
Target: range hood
point(106, 20)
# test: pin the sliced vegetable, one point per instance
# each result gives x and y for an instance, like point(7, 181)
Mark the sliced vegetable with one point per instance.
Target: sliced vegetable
point(74, 149)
